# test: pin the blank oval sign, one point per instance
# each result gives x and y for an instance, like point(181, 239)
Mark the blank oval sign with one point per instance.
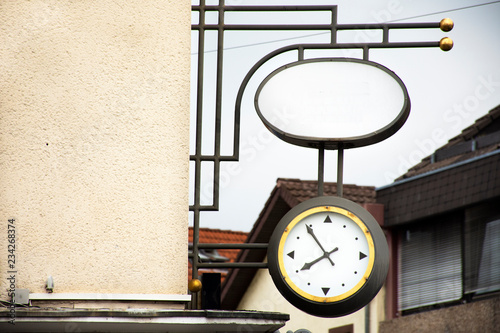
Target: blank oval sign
point(333, 100)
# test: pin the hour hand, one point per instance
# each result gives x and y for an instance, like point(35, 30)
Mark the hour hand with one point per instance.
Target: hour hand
point(308, 265)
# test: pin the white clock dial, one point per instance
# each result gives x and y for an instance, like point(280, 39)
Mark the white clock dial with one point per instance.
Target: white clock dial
point(326, 254)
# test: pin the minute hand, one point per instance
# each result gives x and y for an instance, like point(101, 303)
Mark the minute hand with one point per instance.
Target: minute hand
point(311, 232)
point(325, 255)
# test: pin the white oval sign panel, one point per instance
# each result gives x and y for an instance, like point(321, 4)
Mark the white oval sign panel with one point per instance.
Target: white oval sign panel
point(333, 100)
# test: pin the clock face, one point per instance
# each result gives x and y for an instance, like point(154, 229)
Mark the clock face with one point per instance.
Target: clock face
point(328, 256)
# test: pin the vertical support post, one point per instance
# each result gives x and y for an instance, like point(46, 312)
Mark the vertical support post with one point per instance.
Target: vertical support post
point(367, 318)
point(194, 275)
point(218, 104)
point(333, 37)
point(340, 170)
point(321, 169)
point(365, 52)
point(196, 238)
point(198, 151)
point(385, 36)
point(300, 50)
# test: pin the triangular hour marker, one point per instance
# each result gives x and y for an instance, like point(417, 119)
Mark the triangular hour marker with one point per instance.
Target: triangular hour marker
point(291, 254)
point(361, 255)
point(325, 290)
point(328, 220)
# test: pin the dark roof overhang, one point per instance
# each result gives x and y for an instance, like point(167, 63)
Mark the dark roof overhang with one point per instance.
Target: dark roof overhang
point(443, 190)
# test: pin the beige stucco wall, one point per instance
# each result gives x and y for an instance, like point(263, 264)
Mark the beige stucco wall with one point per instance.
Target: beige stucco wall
point(94, 120)
point(262, 295)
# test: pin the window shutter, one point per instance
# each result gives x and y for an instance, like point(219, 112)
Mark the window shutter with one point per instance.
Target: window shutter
point(483, 253)
point(431, 265)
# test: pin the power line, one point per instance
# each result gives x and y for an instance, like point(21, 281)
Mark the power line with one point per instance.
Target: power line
point(445, 11)
point(268, 42)
point(324, 33)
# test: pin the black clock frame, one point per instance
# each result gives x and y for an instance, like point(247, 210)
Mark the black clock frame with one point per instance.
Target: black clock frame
point(351, 303)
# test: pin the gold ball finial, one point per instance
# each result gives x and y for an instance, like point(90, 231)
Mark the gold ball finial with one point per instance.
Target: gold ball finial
point(194, 285)
point(446, 44)
point(446, 24)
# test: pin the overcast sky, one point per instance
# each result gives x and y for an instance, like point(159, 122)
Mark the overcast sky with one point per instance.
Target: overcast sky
point(448, 92)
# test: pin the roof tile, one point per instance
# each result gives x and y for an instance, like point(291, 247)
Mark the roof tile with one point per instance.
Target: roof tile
point(481, 127)
point(304, 190)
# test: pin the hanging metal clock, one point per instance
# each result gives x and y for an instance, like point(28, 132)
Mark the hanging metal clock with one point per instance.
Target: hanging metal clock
point(328, 257)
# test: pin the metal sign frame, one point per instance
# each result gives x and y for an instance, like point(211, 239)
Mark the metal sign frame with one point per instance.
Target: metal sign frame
point(198, 158)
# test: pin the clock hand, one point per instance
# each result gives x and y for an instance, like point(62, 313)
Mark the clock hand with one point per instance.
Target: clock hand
point(310, 231)
point(325, 255)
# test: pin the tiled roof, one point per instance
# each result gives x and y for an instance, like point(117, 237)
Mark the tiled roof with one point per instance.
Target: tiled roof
point(478, 139)
point(443, 191)
point(302, 190)
point(464, 172)
point(208, 235)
